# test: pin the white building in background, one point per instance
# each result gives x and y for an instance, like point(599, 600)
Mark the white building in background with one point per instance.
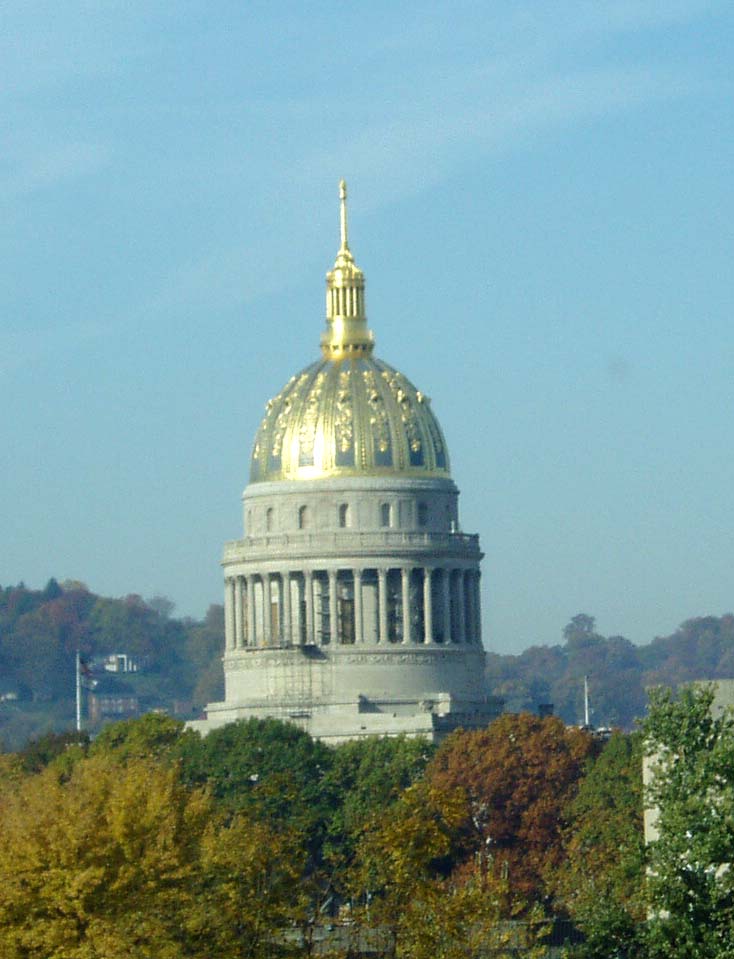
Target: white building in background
point(121, 663)
point(352, 602)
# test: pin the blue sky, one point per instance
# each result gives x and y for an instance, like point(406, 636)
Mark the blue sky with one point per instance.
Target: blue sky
point(540, 197)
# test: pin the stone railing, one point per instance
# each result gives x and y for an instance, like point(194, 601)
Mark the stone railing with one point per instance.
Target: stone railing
point(354, 541)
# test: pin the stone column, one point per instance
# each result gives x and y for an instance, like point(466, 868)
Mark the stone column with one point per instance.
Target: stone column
point(427, 607)
point(469, 605)
point(237, 637)
point(460, 607)
point(358, 624)
point(308, 587)
point(296, 614)
point(286, 625)
point(405, 571)
point(333, 609)
point(251, 637)
point(446, 586)
point(267, 611)
point(229, 633)
point(382, 603)
point(478, 608)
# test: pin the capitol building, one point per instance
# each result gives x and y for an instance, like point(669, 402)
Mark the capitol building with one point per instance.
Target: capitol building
point(352, 601)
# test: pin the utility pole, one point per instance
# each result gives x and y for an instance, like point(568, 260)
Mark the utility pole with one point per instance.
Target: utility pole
point(78, 692)
point(587, 711)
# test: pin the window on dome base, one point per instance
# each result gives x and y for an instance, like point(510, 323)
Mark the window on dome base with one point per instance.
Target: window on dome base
point(304, 517)
point(385, 515)
point(422, 514)
point(344, 517)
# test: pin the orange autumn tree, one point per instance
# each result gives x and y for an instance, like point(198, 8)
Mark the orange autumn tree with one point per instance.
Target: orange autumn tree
point(518, 776)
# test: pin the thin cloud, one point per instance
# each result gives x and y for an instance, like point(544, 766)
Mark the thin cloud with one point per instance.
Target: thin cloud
point(411, 152)
point(405, 156)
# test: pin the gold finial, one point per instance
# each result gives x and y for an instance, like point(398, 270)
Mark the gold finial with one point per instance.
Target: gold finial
point(346, 323)
point(343, 213)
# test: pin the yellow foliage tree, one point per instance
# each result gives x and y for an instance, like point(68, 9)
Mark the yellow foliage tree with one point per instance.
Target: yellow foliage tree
point(415, 906)
point(99, 866)
point(122, 861)
point(250, 890)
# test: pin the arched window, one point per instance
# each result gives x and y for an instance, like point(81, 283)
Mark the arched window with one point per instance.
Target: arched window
point(303, 517)
point(385, 516)
point(269, 519)
point(344, 516)
point(422, 514)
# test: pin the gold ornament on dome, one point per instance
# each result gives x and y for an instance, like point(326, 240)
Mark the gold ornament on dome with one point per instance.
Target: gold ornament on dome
point(378, 417)
point(344, 414)
point(348, 414)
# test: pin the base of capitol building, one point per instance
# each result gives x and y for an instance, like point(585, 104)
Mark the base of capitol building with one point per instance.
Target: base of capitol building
point(341, 694)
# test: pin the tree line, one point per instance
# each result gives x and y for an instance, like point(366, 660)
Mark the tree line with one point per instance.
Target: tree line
point(619, 673)
point(257, 840)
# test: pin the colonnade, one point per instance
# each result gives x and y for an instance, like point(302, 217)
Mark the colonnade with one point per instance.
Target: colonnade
point(408, 605)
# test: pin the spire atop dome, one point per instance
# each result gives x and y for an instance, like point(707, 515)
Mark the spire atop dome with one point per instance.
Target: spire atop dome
point(343, 213)
point(346, 331)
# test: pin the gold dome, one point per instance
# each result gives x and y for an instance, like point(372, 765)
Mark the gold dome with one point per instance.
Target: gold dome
point(349, 414)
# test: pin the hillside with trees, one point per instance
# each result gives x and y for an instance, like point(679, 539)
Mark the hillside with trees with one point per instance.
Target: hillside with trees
point(41, 630)
point(619, 673)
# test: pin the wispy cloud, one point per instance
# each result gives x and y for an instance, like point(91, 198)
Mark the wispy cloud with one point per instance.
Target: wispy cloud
point(46, 45)
point(532, 69)
point(490, 112)
point(482, 112)
point(437, 99)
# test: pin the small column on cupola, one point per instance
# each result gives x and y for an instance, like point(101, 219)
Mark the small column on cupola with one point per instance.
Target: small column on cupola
point(347, 333)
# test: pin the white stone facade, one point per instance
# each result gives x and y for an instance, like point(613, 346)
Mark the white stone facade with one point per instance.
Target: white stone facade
point(352, 607)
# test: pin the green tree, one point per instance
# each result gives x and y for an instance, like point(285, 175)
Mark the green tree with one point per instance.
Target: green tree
point(203, 651)
point(600, 879)
point(251, 889)
point(52, 590)
point(161, 605)
point(152, 736)
point(580, 631)
point(35, 657)
point(690, 752)
point(271, 769)
point(121, 860)
point(41, 751)
point(555, 674)
point(365, 778)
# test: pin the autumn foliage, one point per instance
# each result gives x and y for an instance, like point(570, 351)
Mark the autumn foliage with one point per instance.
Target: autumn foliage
point(151, 841)
point(518, 776)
